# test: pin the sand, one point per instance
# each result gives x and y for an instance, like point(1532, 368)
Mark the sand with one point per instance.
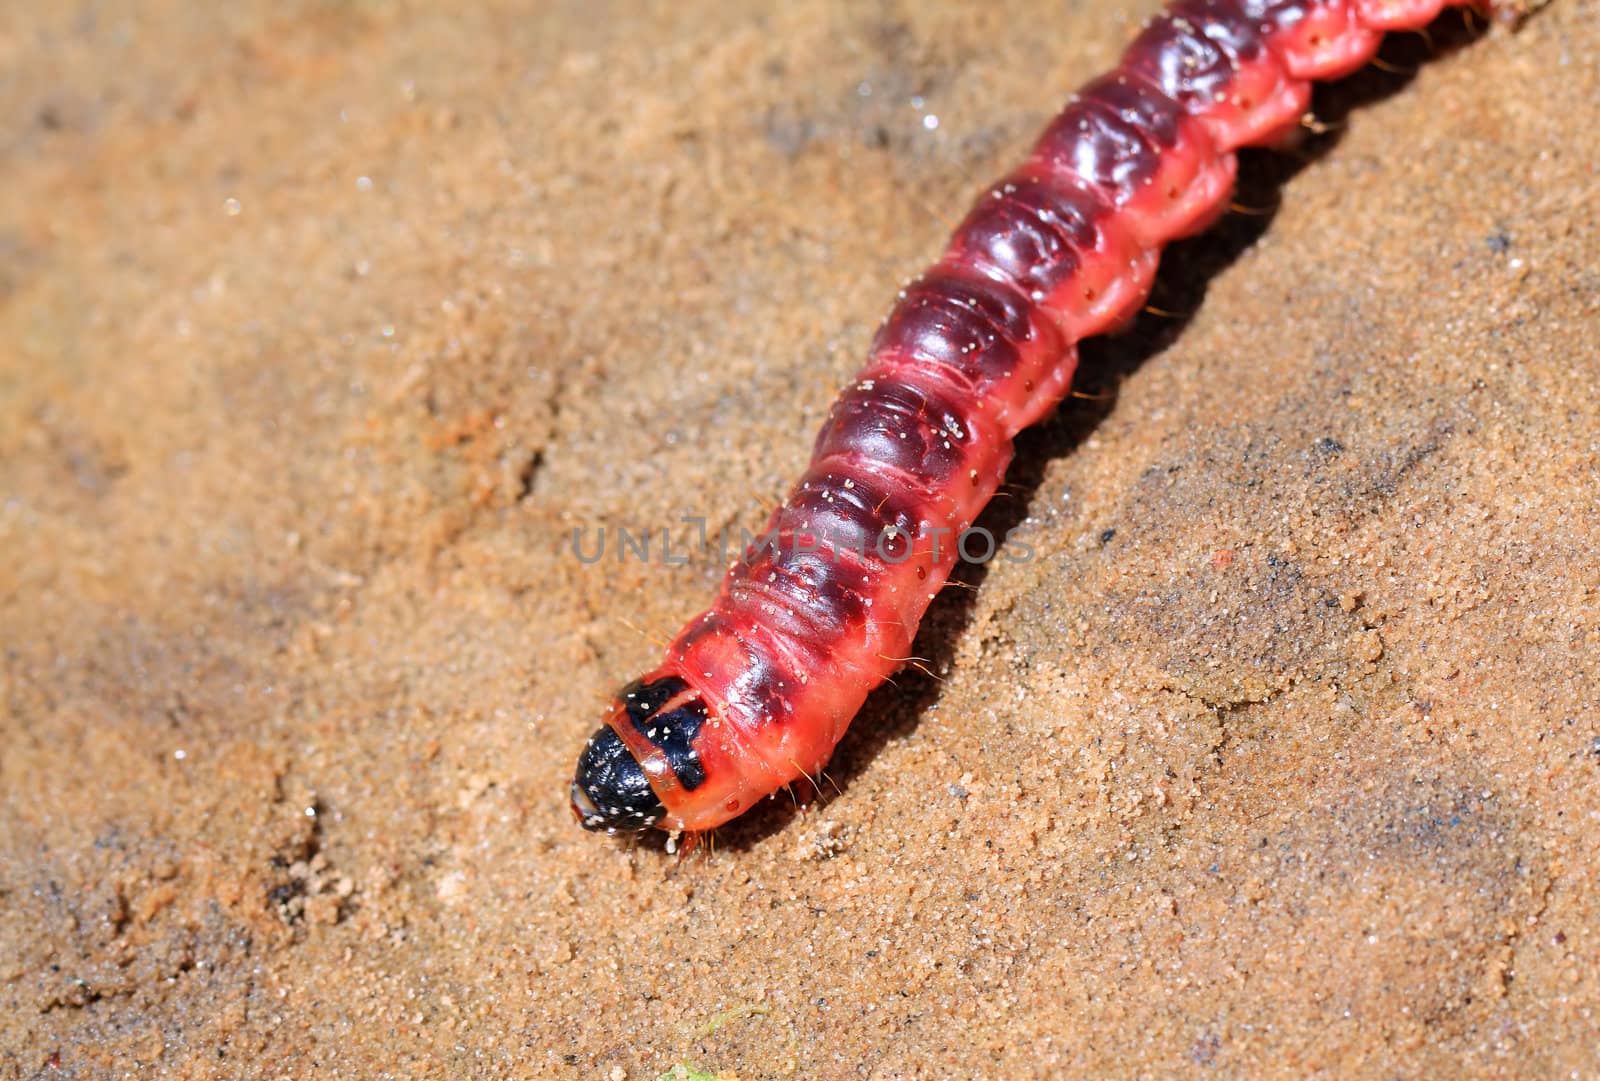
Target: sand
point(1268, 748)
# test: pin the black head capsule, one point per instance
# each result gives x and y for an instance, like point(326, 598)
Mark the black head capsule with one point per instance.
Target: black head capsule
point(610, 791)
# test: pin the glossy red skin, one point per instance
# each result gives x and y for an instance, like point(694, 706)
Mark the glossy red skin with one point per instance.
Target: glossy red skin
point(978, 348)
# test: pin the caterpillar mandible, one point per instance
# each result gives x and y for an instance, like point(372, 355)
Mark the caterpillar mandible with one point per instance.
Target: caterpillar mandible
point(756, 691)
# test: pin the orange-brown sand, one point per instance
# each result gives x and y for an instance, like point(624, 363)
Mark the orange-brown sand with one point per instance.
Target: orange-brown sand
point(1270, 748)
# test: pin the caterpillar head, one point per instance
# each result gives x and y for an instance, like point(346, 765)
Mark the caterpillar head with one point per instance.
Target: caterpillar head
point(610, 791)
point(645, 751)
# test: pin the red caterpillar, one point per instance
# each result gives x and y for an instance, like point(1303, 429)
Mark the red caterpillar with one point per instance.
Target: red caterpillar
point(757, 691)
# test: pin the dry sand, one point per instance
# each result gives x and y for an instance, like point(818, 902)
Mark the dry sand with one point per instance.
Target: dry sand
point(323, 325)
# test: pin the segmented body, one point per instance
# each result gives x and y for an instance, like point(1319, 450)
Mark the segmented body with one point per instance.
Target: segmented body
point(757, 691)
